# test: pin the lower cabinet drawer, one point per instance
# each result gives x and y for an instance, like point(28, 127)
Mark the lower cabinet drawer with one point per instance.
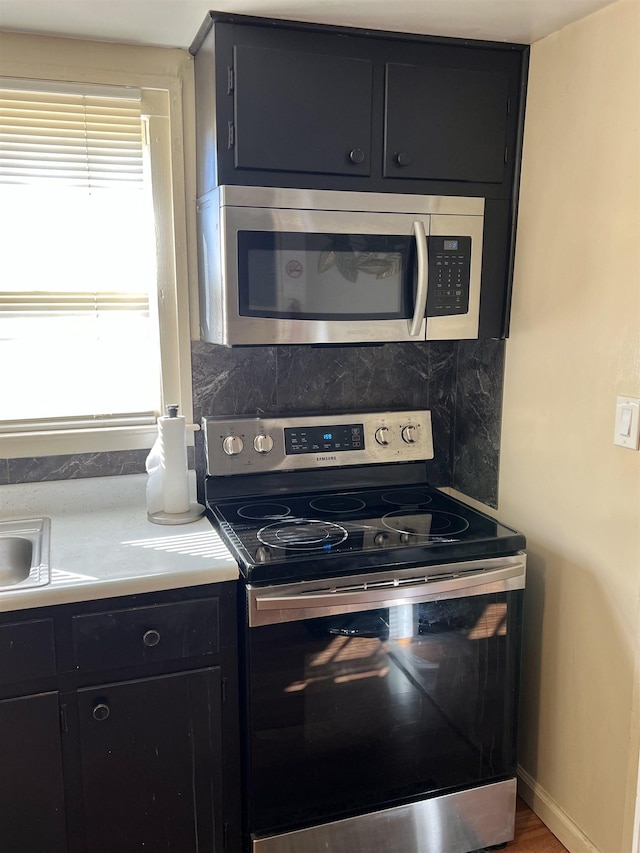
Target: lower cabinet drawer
point(27, 651)
point(142, 635)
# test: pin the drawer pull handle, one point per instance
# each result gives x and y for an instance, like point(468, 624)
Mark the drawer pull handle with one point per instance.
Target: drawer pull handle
point(101, 711)
point(151, 638)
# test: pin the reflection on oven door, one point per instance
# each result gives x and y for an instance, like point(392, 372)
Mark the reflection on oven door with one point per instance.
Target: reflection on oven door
point(349, 713)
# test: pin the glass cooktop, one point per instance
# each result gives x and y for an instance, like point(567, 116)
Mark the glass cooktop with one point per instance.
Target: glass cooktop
point(319, 534)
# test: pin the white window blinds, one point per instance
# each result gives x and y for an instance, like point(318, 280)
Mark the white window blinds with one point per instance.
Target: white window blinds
point(78, 303)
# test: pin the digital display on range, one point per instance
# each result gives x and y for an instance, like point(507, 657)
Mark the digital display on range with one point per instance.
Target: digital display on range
point(320, 439)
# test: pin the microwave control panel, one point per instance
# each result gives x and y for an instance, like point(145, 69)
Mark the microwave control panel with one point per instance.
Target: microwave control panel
point(449, 276)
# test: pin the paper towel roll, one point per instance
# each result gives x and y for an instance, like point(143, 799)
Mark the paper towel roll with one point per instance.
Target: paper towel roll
point(173, 450)
point(168, 483)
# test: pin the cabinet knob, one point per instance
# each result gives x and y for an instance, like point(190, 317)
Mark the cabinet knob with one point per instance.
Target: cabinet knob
point(151, 638)
point(356, 155)
point(101, 711)
point(402, 158)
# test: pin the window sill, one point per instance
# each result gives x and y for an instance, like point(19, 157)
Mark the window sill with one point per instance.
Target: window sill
point(97, 440)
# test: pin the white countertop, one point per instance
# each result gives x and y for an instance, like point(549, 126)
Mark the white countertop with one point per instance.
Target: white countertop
point(102, 544)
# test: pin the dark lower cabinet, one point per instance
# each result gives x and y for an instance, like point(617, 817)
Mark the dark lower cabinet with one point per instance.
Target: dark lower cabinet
point(151, 764)
point(123, 738)
point(32, 800)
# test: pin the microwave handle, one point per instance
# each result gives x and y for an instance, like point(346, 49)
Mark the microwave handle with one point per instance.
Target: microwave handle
point(423, 278)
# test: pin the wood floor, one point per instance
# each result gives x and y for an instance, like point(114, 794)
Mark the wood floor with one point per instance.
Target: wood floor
point(532, 836)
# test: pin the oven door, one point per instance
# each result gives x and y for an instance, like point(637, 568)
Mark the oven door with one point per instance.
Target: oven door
point(382, 690)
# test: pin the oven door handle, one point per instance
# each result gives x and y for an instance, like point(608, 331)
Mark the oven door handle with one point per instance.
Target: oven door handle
point(309, 605)
point(423, 278)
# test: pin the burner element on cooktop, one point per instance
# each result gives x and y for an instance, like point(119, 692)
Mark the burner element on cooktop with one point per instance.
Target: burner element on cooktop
point(303, 534)
point(423, 523)
point(264, 511)
point(337, 504)
point(407, 497)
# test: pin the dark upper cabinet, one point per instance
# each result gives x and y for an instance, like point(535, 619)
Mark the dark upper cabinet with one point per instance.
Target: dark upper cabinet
point(301, 112)
point(445, 124)
point(287, 104)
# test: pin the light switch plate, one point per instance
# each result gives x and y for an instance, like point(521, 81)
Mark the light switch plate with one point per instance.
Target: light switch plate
point(627, 429)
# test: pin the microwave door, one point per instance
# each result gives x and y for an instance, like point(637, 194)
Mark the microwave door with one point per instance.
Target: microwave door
point(323, 276)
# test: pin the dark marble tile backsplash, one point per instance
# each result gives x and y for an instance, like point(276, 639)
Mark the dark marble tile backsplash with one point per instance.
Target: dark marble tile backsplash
point(74, 466)
point(478, 415)
point(290, 379)
point(232, 381)
point(461, 383)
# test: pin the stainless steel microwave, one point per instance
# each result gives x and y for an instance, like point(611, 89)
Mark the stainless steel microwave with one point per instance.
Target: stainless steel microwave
point(292, 266)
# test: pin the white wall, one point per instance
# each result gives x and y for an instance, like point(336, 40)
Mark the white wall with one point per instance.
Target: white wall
point(575, 345)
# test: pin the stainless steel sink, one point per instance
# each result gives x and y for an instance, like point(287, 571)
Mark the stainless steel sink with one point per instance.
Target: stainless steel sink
point(24, 553)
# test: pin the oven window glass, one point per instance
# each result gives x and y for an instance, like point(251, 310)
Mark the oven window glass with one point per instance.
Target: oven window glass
point(351, 713)
point(325, 276)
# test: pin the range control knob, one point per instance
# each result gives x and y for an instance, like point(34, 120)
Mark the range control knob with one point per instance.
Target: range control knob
point(381, 539)
point(263, 443)
point(263, 554)
point(232, 445)
point(383, 436)
point(410, 434)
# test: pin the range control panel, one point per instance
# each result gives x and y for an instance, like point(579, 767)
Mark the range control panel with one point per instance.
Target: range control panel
point(449, 276)
point(241, 445)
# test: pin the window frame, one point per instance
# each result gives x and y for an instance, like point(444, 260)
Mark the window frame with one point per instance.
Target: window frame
point(163, 106)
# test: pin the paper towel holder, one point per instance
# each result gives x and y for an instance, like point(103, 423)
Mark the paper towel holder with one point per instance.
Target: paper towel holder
point(195, 511)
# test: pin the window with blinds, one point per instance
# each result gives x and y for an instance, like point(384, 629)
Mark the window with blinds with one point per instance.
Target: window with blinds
point(79, 339)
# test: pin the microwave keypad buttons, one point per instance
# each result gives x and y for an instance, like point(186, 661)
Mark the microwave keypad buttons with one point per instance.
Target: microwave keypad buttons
point(449, 276)
point(449, 281)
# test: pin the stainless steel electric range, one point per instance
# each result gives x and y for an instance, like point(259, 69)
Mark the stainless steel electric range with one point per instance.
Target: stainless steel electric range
point(381, 626)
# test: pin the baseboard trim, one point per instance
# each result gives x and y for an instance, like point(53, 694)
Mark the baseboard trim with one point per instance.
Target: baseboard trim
point(554, 817)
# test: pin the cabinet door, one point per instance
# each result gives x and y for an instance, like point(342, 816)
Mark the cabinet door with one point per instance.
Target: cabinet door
point(151, 771)
point(32, 818)
point(302, 112)
point(27, 651)
point(445, 123)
